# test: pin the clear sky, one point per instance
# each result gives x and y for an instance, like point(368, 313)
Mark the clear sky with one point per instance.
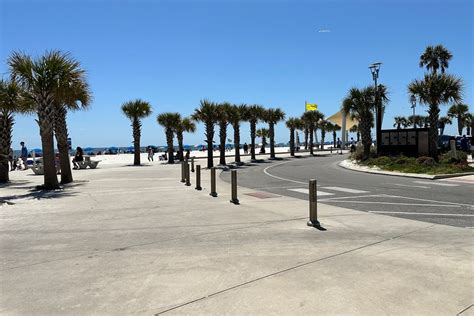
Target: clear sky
point(174, 53)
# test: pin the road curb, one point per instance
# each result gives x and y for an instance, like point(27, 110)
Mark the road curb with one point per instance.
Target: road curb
point(348, 164)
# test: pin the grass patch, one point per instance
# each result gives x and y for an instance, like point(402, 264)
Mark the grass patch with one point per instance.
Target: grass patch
point(419, 165)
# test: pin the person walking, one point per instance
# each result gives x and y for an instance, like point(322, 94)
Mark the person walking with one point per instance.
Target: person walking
point(24, 155)
point(150, 153)
point(188, 155)
point(246, 149)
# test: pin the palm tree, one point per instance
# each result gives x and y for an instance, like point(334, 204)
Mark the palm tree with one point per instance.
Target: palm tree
point(336, 128)
point(222, 118)
point(272, 117)
point(12, 100)
point(75, 98)
point(459, 111)
point(46, 80)
point(184, 125)
point(325, 126)
point(433, 91)
point(292, 123)
point(443, 121)
point(169, 121)
point(435, 57)
point(360, 103)
point(311, 118)
point(415, 120)
point(136, 110)
point(263, 134)
point(354, 129)
point(469, 123)
point(400, 121)
point(207, 113)
point(253, 115)
point(236, 114)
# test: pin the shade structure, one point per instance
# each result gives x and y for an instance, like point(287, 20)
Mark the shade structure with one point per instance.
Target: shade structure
point(336, 118)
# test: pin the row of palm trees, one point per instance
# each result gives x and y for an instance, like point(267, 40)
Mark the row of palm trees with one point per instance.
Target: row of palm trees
point(50, 86)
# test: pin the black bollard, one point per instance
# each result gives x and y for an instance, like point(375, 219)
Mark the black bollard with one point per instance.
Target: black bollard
point(192, 164)
point(213, 182)
point(233, 178)
point(183, 172)
point(198, 178)
point(188, 174)
point(313, 204)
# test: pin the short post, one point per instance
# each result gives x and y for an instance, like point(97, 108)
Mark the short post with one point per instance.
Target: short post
point(183, 172)
point(213, 182)
point(198, 178)
point(188, 174)
point(192, 164)
point(233, 178)
point(313, 204)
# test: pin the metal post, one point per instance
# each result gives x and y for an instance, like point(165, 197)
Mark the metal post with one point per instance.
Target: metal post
point(183, 174)
point(313, 204)
point(188, 174)
point(192, 164)
point(233, 178)
point(213, 182)
point(198, 178)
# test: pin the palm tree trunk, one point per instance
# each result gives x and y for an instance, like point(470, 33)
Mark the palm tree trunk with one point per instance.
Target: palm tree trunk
point(253, 128)
point(310, 132)
point(323, 135)
point(136, 141)
point(460, 125)
point(433, 130)
point(179, 135)
point(334, 138)
point(210, 149)
point(237, 142)
point(292, 142)
point(169, 142)
point(45, 122)
point(264, 142)
point(306, 131)
point(366, 138)
point(222, 139)
point(60, 130)
point(6, 126)
point(441, 129)
point(271, 132)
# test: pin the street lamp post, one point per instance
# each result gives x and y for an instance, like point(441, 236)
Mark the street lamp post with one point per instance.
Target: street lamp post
point(413, 105)
point(374, 69)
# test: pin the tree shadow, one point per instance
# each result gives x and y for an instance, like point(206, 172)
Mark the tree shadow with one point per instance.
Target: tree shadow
point(37, 193)
point(15, 184)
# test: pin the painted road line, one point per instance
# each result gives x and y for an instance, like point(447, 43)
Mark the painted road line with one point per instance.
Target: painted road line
point(426, 200)
point(345, 190)
point(411, 186)
point(306, 191)
point(351, 197)
point(437, 183)
point(280, 178)
point(427, 214)
point(390, 203)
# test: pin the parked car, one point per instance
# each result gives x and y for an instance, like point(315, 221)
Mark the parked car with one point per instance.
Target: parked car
point(443, 142)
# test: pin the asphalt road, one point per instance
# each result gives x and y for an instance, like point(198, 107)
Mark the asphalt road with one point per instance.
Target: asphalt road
point(448, 201)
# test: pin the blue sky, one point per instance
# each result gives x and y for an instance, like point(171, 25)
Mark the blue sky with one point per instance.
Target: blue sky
point(174, 53)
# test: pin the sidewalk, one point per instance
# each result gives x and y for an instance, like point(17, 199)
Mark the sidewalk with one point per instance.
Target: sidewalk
point(134, 240)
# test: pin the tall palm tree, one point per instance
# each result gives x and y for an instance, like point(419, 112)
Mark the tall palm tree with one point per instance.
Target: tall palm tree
point(435, 57)
point(207, 113)
point(443, 121)
point(435, 90)
point(292, 123)
point(311, 118)
point(45, 80)
point(236, 114)
point(360, 103)
point(272, 117)
point(76, 98)
point(136, 110)
point(415, 120)
point(169, 121)
point(263, 134)
point(184, 125)
point(353, 129)
point(253, 115)
point(334, 130)
point(223, 120)
point(459, 111)
point(12, 100)
point(325, 126)
point(400, 121)
point(469, 123)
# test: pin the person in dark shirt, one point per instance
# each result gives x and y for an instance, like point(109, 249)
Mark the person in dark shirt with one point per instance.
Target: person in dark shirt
point(79, 156)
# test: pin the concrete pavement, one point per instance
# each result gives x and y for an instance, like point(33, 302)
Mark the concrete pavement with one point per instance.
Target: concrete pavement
point(134, 240)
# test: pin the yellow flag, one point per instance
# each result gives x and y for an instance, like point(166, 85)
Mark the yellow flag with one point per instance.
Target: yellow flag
point(311, 106)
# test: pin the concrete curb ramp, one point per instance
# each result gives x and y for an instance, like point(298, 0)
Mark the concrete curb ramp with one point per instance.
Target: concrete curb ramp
point(348, 164)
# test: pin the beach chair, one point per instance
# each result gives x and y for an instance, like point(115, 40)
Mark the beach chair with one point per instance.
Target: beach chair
point(93, 164)
point(37, 169)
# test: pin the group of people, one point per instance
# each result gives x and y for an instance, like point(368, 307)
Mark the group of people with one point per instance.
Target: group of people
point(151, 155)
point(21, 162)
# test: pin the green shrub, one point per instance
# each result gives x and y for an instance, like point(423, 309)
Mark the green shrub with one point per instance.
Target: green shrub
point(358, 154)
point(382, 160)
point(425, 161)
point(449, 157)
point(402, 160)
